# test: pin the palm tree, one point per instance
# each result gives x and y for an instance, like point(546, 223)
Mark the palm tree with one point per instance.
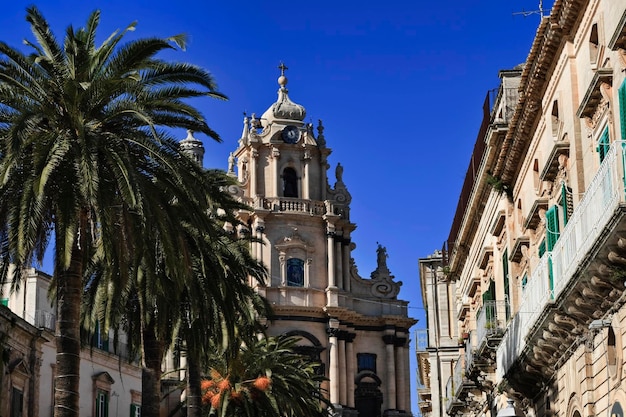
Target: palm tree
point(205, 309)
point(266, 378)
point(84, 160)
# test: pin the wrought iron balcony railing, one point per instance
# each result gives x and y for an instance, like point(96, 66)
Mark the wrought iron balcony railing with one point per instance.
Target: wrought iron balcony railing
point(557, 268)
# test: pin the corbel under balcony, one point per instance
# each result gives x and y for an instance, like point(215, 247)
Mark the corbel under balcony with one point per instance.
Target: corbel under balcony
point(516, 252)
point(593, 96)
point(498, 223)
point(533, 219)
point(618, 40)
point(485, 256)
point(551, 168)
point(463, 310)
point(474, 284)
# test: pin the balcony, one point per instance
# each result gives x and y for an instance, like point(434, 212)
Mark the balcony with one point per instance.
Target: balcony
point(295, 205)
point(571, 284)
point(45, 319)
point(421, 340)
point(453, 386)
point(491, 324)
point(287, 298)
point(458, 387)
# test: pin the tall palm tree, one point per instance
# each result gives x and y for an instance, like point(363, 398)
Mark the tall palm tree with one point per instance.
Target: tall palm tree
point(84, 161)
point(265, 378)
point(205, 309)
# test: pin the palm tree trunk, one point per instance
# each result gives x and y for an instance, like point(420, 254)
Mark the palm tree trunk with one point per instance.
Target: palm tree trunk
point(68, 299)
point(151, 371)
point(194, 404)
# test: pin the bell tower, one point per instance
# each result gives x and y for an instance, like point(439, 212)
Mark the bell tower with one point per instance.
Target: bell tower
point(282, 166)
point(304, 231)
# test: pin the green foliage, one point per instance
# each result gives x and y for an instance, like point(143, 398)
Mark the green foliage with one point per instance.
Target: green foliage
point(266, 378)
point(498, 185)
point(86, 160)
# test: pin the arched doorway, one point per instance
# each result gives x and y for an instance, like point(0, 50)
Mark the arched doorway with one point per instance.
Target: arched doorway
point(368, 398)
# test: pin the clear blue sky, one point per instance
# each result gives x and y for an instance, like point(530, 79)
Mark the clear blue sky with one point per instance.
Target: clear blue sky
point(398, 84)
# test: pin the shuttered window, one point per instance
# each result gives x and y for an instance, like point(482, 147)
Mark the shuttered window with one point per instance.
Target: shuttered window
point(552, 227)
point(603, 144)
point(135, 410)
point(622, 108)
point(102, 403)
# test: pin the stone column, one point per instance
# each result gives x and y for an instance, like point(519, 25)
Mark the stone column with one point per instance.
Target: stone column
point(346, 264)
point(254, 155)
point(283, 268)
point(330, 239)
point(350, 362)
point(338, 262)
point(401, 380)
point(275, 173)
point(342, 367)
point(306, 159)
point(390, 397)
point(333, 369)
point(259, 246)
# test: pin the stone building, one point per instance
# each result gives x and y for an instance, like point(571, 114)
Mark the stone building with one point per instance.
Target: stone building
point(537, 249)
point(357, 327)
point(20, 363)
point(109, 384)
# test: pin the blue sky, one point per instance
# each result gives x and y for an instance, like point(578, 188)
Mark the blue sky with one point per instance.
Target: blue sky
point(399, 86)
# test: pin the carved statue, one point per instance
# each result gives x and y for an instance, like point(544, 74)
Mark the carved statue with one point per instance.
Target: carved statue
point(339, 172)
point(382, 256)
point(231, 163)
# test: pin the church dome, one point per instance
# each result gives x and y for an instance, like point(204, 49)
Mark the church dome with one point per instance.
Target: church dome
point(284, 108)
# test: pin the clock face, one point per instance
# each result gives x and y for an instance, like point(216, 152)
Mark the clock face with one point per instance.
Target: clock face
point(291, 134)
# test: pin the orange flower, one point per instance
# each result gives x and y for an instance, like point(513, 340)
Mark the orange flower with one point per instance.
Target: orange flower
point(215, 401)
point(262, 383)
point(206, 384)
point(223, 385)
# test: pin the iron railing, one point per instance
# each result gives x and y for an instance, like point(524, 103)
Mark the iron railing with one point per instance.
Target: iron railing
point(557, 268)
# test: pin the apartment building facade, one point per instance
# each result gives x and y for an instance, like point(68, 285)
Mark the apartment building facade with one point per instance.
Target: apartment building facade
point(537, 251)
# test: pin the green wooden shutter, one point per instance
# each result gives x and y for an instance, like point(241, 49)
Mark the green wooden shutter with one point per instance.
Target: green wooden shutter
point(565, 203)
point(622, 108)
point(135, 410)
point(552, 226)
point(102, 404)
point(489, 295)
point(603, 144)
point(4, 302)
point(542, 248)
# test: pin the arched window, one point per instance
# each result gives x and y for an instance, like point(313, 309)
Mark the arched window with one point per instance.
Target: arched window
point(611, 353)
point(295, 272)
point(290, 183)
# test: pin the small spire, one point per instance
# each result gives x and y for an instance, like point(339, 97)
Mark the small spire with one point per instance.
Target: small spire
point(246, 129)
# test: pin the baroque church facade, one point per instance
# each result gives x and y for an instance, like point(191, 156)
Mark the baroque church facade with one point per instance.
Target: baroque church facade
point(356, 327)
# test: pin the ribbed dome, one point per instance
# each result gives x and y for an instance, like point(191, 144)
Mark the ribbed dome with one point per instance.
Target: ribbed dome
point(284, 108)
